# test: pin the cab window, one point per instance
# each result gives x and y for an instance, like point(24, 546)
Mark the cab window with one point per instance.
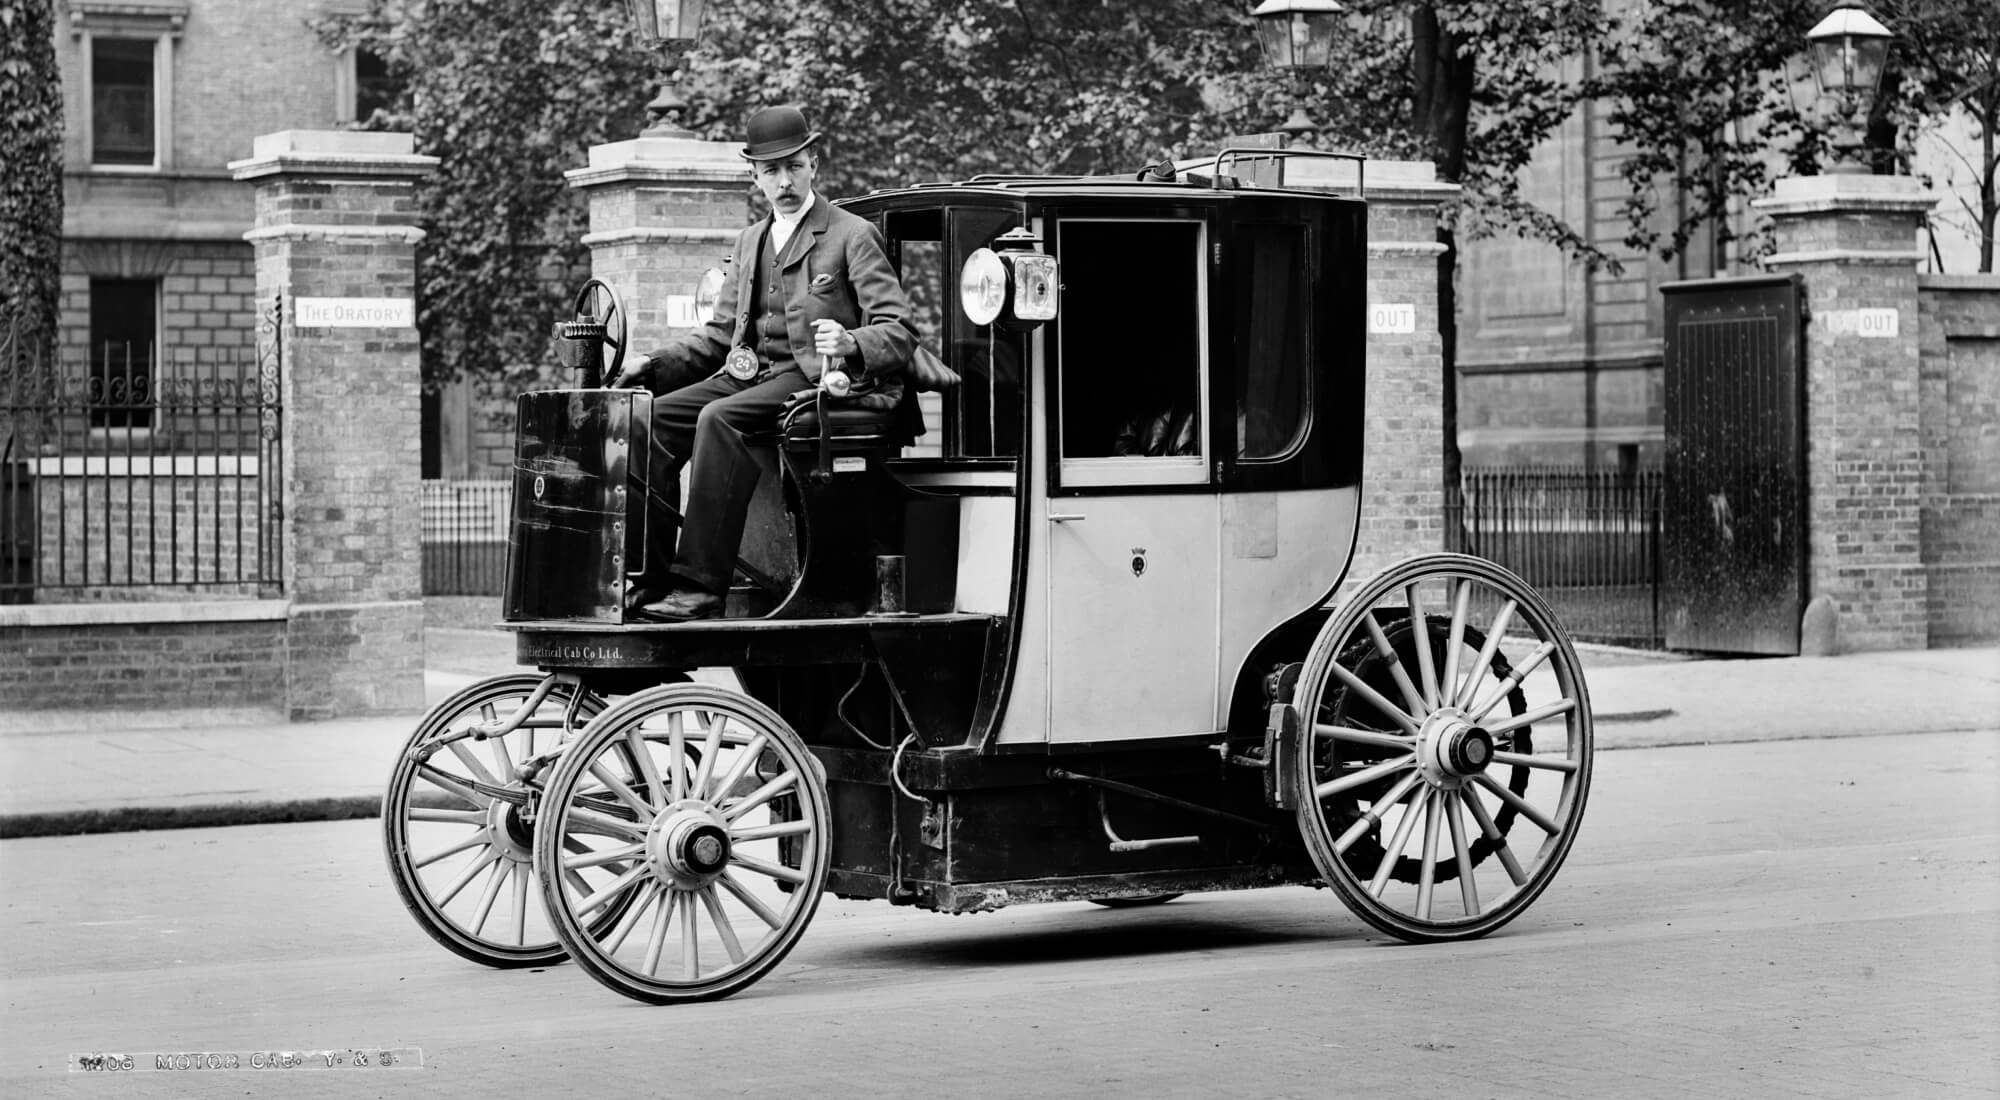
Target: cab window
point(1131, 352)
point(1272, 382)
point(981, 417)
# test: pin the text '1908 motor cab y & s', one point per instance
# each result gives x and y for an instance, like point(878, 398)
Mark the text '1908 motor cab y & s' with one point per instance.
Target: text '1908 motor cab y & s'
point(1085, 647)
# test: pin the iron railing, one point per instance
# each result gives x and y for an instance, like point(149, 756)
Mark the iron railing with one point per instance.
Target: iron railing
point(127, 474)
point(1587, 540)
point(465, 537)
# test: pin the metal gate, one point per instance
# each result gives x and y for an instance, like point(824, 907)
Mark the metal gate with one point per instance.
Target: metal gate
point(1733, 515)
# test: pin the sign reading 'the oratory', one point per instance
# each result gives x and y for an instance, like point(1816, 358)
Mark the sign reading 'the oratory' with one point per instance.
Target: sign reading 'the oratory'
point(354, 312)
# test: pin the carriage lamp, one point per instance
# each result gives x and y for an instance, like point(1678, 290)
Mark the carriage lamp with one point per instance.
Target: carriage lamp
point(1014, 283)
point(1297, 36)
point(672, 27)
point(1850, 48)
point(707, 293)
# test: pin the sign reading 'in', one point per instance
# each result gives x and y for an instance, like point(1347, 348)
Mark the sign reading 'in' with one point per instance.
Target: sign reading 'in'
point(354, 312)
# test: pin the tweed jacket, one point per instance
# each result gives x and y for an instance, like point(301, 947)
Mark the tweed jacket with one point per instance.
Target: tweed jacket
point(834, 266)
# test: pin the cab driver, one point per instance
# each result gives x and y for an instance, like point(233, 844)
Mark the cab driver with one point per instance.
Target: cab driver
point(807, 284)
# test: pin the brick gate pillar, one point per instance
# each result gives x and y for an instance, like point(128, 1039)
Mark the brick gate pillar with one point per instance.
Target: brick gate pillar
point(1402, 464)
point(662, 211)
point(1854, 240)
point(335, 239)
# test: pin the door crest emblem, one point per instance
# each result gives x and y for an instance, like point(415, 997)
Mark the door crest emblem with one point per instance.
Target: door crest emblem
point(540, 486)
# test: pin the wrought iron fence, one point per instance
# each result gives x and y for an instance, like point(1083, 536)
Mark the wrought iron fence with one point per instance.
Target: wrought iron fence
point(1588, 540)
point(125, 474)
point(465, 537)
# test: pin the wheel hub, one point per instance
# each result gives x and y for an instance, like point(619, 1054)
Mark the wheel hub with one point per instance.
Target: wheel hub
point(512, 837)
point(1452, 749)
point(688, 844)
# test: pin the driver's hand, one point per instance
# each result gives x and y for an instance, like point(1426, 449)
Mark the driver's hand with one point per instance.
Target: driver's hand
point(635, 375)
point(831, 338)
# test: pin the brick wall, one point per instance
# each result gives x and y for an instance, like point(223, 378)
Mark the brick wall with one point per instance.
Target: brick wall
point(1960, 400)
point(138, 531)
point(148, 665)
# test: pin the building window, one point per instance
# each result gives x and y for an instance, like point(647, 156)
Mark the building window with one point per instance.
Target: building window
point(124, 125)
point(124, 338)
point(363, 85)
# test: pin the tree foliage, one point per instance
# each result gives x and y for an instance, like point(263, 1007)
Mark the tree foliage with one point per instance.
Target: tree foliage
point(1947, 59)
point(31, 198)
point(509, 94)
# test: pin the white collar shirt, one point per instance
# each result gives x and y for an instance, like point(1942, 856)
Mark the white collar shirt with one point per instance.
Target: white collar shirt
point(782, 225)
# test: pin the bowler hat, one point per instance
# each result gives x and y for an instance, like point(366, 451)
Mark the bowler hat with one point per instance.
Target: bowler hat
point(776, 132)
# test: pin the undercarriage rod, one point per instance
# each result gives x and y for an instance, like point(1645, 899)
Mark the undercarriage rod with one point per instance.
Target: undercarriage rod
point(1141, 792)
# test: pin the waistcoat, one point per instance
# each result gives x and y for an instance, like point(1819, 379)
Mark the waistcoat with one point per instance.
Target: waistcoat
point(773, 336)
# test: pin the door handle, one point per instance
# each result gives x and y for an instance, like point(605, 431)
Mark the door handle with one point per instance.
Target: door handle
point(1066, 517)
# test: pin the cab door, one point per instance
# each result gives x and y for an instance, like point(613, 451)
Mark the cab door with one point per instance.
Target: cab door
point(1133, 519)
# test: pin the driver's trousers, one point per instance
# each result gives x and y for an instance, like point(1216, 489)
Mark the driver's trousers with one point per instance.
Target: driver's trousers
point(704, 424)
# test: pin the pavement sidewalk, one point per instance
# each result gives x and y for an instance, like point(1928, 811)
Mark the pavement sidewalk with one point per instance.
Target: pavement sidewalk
point(76, 772)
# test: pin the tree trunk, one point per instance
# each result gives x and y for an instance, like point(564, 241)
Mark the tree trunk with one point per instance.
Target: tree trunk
point(1442, 109)
point(31, 199)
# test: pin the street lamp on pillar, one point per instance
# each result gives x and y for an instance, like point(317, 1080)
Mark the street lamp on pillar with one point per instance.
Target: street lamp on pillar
point(1849, 51)
point(1297, 36)
point(672, 27)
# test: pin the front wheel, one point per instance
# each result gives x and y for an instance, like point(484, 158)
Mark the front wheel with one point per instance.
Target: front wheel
point(700, 813)
point(1444, 754)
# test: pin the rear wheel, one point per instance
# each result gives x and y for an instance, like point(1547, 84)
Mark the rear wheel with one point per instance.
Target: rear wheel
point(458, 843)
point(704, 815)
point(1426, 795)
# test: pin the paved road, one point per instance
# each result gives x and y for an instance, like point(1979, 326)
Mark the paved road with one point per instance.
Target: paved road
point(1799, 918)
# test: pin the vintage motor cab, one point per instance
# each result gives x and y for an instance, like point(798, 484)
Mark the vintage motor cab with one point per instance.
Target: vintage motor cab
point(1075, 641)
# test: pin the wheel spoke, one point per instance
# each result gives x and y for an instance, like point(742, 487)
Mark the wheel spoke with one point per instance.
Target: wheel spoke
point(1468, 891)
point(618, 788)
point(472, 764)
point(658, 940)
point(1495, 634)
point(766, 832)
point(1454, 639)
point(487, 896)
point(631, 918)
point(604, 896)
point(1364, 737)
point(1530, 717)
point(599, 823)
point(1492, 832)
point(1421, 631)
point(737, 767)
point(764, 912)
point(676, 754)
point(1324, 791)
point(521, 877)
point(722, 926)
point(1547, 763)
point(453, 817)
point(690, 950)
point(465, 877)
point(761, 795)
point(649, 770)
point(1373, 817)
point(1512, 680)
point(1394, 849)
point(752, 863)
point(1427, 868)
point(453, 785)
point(601, 856)
point(710, 749)
point(483, 836)
point(1395, 664)
point(504, 762)
point(1382, 703)
point(1521, 805)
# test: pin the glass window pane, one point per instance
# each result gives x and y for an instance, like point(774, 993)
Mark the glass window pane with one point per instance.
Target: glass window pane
point(123, 323)
point(1130, 339)
point(1271, 376)
point(988, 401)
point(121, 101)
point(374, 89)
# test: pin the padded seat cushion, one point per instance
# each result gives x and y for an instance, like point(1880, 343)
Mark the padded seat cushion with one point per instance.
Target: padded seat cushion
point(846, 421)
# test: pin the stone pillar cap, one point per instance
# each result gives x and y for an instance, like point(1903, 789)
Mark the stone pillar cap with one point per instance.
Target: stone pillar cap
point(332, 153)
point(1795, 195)
point(681, 160)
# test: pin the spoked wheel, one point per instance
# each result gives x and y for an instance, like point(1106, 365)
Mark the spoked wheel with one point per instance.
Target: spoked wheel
point(704, 811)
point(598, 301)
point(1443, 775)
point(460, 850)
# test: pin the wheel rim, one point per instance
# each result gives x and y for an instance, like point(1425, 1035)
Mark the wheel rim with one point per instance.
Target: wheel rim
point(703, 813)
point(459, 850)
point(1439, 786)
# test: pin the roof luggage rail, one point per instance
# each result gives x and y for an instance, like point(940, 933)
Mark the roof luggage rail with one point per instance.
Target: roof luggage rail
point(1221, 179)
